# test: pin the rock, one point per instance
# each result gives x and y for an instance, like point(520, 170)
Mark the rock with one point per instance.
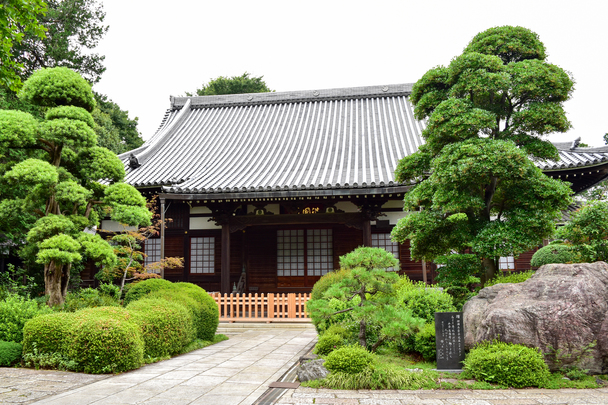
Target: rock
point(562, 309)
point(312, 370)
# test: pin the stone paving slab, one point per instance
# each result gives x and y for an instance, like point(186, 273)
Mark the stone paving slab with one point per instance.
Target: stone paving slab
point(304, 395)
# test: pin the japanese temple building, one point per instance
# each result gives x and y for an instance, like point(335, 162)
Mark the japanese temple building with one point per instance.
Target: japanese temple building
point(271, 188)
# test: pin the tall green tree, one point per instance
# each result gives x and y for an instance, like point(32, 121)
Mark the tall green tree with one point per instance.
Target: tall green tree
point(19, 20)
point(74, 28)
point(474, 184)
point(64, 189)
point(233, 85)
point(115, 130)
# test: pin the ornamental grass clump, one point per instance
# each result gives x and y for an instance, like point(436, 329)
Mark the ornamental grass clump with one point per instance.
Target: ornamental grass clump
point(507, 364)
point(167, 327)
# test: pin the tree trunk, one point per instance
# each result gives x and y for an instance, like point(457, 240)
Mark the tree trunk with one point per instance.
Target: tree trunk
point(362, 327)
point(56, 279)
point(490, 270)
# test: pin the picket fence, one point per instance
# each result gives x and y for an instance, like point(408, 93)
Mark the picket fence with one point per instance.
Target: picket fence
point(268, 308)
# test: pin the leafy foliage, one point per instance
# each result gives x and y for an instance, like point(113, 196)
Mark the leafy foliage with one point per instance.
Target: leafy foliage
point(587, 232)
point(326, 281)
point(519, 277)
point(425, 343)
point(143, 288)
point(423, 300)
point(57, 192)
point(487, 113)
point(349, 359)
point(167, 327)
point(328, 343)
point(74, 28)
point(15, 311)
point(10, 353)
point(18, 18)
point(233, 85)
point(507, 364)
point(554, 253)
point(366, 295)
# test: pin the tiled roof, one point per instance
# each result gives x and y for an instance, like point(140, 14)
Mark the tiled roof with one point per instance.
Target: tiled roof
point(326, 139)
point(332, 139)
point(573, 157)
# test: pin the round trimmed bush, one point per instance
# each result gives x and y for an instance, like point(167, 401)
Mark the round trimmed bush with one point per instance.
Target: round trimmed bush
point(15, 311)
point(348, 359)
point(554, 253)
point(328, 343)
point(424, 342)
point(143, 288)
point(327, 281)
point(47, 333)
point(102, 344)
point(210, 315)
point(167, 327)
point(507, 364)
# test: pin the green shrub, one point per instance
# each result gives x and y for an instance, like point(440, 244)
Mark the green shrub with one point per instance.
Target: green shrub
point(109, 290)
point(52, 361)
point(329, 279)
point(424, 342)
point(554, 253)
point(507, 364)
point(511, 278)
point(423, 300)
point(337, 329)
point(10, 353)
point(15, 311)
point(321, 323)
point(349, 359)
point(140, 290)
point(328, 343)
point(196, 308)
point(373, 378)
point(87, 298)
point(210, 315)
point(47, 333)
point(167, 327)
point(102, 344)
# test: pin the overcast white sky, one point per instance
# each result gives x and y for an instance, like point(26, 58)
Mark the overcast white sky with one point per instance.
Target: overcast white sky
point(157, 49)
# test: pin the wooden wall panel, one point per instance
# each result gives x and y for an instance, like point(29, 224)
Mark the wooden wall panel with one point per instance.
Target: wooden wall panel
point(261, 258)
point(409, 267)
point(345, 240)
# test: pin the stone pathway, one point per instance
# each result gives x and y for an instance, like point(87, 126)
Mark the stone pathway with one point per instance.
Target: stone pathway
point(236, 371)
point(444, 397)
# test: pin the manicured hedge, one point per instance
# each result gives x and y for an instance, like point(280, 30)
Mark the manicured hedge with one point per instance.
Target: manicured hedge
point(102, 344)
point(167, 327)
point(99, 342)
point(143, 288)
point(197, 300)
point(210, 315)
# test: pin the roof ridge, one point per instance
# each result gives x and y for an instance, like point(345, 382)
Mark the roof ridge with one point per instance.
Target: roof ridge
point(293, 96)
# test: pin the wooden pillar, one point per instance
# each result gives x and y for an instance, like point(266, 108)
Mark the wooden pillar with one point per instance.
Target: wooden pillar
point(367, 233)
point(162, 235)
point(225, 275)
point(424, 278)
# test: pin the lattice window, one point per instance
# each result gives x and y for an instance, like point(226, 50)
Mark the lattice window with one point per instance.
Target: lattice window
point(290, 252)
point(202, 255)
point(506, 263)
point(383, 240)
point(319, 251)
point(152, 250)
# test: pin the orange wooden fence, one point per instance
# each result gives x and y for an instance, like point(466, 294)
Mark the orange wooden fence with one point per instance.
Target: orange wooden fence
point(262, 307)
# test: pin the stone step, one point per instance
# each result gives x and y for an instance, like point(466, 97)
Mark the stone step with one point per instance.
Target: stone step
point(237, 327)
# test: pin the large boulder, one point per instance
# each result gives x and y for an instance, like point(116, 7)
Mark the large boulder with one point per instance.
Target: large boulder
point(562, 309)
